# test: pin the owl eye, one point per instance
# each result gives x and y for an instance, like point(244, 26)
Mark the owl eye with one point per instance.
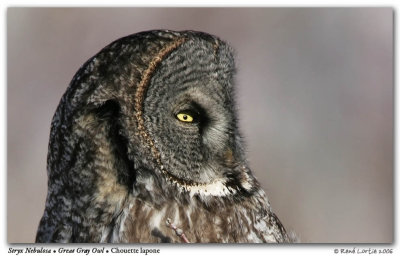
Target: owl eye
point(185, 117)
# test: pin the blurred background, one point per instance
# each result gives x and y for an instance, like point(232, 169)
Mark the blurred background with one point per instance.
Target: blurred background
point(315, 94)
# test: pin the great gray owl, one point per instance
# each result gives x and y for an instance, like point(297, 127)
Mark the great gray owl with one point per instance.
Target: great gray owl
point(144, 147)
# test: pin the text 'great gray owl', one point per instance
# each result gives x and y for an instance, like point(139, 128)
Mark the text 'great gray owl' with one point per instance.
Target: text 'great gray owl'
point(144, 148)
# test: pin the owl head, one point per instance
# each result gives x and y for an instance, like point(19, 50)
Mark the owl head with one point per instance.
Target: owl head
point(155, 107)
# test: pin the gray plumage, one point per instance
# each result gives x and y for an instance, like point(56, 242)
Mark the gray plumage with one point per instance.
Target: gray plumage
point(146, 134)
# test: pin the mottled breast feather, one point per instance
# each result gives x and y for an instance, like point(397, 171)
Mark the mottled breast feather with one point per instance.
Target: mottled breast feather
point(124, 168)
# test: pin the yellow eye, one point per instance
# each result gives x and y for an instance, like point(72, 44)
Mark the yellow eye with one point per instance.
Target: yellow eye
point(185, 117)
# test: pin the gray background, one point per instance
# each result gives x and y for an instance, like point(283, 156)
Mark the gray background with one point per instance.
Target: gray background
point(315, 94)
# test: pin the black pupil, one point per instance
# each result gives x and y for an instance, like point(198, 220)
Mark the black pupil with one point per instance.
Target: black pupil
point(185, 117)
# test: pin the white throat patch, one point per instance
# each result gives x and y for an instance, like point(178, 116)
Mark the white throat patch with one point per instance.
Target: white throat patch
point(216, 188)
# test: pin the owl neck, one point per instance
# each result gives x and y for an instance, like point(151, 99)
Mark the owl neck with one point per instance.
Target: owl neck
point(88, 180)
point(235, 218)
